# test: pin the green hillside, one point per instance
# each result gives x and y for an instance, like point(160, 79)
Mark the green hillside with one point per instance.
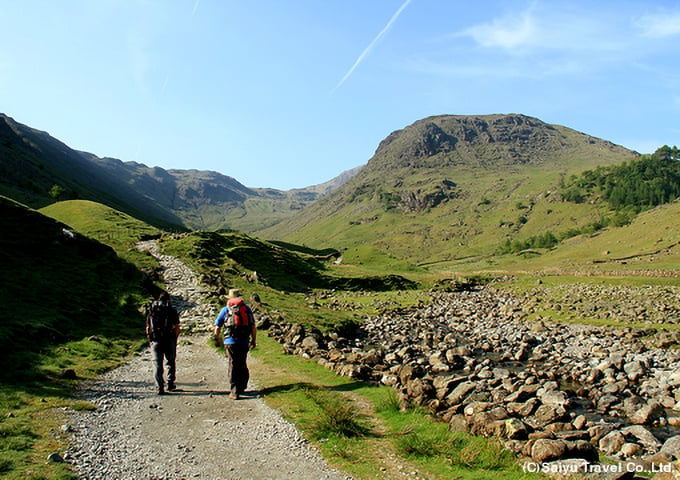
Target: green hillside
point(111, 227)
point(59, 286)
point(70, 310)
point(37, 170)
point(451, 188)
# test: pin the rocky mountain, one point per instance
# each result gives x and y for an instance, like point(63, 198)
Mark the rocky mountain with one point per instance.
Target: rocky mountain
point(451, 187)
point(37, 170)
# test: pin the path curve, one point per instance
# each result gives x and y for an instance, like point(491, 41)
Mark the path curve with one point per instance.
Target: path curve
point(197, 432)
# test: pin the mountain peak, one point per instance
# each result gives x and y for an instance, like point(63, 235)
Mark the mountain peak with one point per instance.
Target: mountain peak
point(482, 140)
point(509, 138)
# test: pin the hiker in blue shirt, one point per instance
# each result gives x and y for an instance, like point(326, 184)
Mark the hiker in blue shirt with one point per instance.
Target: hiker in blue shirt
point(240, 333)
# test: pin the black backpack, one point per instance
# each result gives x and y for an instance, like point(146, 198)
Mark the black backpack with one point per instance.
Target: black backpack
point(159, 321)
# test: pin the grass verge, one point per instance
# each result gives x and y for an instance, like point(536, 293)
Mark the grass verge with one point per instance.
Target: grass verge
point(360, 430)
point(32, 411)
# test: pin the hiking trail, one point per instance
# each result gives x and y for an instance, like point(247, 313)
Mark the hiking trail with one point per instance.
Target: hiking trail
point(196, 432)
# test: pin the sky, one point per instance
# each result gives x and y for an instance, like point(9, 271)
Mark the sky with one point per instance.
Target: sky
point(290, 93)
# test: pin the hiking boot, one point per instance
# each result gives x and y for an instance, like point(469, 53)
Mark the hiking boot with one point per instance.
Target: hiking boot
point(161, 391)
point(172, 387)
point(233, 396)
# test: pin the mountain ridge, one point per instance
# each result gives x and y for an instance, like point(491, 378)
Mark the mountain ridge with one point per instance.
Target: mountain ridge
point(37, 169)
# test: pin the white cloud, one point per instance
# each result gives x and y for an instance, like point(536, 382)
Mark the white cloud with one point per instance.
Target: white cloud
point(540, 29)
point(509, 32)
point(659, 25)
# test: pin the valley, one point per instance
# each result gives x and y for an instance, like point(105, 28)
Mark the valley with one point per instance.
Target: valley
point(471, 300)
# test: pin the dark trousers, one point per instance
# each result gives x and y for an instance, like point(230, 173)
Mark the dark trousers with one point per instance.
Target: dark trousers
point(164, 349)
point(237, 367)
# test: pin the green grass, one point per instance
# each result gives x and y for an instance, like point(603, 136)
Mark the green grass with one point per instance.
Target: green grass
point(105, 225)
point(70, 311)
point(85, 318)
point(359, 428)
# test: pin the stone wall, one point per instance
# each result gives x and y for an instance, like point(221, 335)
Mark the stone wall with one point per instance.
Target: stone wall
point(551, 391)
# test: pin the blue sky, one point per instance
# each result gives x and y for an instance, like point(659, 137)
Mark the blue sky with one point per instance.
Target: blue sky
point(290, 93)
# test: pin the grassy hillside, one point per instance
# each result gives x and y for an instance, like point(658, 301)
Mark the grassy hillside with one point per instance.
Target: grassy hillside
point(58, 286)
point(70, 310)
point(111, 227)
point(288, 278)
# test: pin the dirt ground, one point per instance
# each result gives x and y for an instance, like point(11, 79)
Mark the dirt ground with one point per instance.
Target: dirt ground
point(195, 432)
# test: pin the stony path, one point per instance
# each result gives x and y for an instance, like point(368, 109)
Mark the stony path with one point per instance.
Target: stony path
point(197, 432)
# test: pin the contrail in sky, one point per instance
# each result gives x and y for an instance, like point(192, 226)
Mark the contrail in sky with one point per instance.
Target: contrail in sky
point(372, 44)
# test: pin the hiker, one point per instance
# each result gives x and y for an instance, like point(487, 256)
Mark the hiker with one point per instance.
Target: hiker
point(162, 330)
point(239, 331)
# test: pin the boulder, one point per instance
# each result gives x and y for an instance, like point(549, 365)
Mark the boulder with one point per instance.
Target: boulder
point(671, 447)
point(555, 398)
point(648, 414)
point(643, 436)
point(546, 414)
point(605, 402)
point(460, 393)
point(524, 393)
point(443, 384)
point(523, 409)
point(516, 429)
point(310, 344)
point(611, 443)
point(634, 370)
point(547, 450)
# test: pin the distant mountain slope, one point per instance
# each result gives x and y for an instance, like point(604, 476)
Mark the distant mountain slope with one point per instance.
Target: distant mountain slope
point(37, 170)
point(451, 186)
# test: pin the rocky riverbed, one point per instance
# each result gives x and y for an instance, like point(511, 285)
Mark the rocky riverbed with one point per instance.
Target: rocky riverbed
point(550, 391)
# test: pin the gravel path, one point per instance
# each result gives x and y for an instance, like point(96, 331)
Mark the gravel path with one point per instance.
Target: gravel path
point(196, 432)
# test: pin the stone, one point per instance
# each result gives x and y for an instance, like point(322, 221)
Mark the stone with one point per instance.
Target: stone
point(634, 370)
point(648, 413)
point(310, 344)
point(580, 422)
point(524, 393)
point(582, 449)
point(443, 384)
point(546, 414)
point(546, 450)
point(523, 409)
point(611, 443)
point(644, 436)
point(671, 447)
point(599, 431)
point(515, 429)
point(55, 458)
point(460, 392)
point(605, 403)
point(555, 398)
point(476, 407)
